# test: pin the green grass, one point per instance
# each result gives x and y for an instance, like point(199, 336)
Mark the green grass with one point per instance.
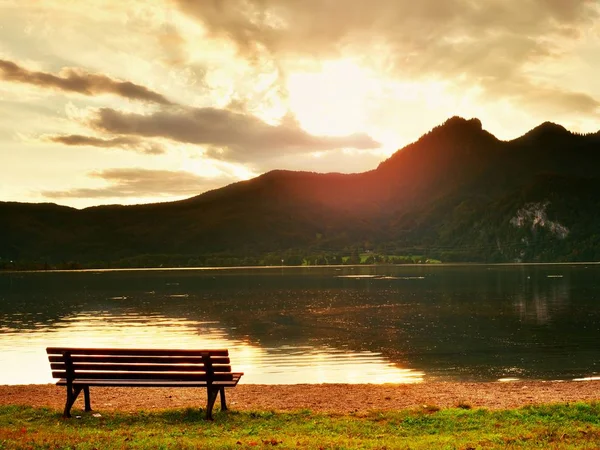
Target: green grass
point(565, 426)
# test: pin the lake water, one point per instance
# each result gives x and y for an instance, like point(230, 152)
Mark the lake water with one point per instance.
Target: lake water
point(375, 324)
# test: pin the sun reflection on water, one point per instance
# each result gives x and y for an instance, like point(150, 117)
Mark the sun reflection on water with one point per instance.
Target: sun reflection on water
point(23, 357)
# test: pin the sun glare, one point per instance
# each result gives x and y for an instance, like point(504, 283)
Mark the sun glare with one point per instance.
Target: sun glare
point(212, 168)
point(343, 97)
point(333, 100)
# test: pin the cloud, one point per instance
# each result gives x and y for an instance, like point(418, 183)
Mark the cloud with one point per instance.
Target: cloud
point(550, 99)
point(230, 136)
point(489, 43)
point(315, 27)
point(137, 182)
point(77, 80)
point(124, 142)
point(173, 45)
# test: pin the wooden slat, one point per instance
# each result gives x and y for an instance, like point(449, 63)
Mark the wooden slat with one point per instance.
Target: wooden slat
point(151, 383)
point(140, 359)
point(135, 351)
point(173, 376)
point(140, 367)
point(143, 367)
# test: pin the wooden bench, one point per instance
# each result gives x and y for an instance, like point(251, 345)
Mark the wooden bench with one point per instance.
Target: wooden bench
point(80, 368)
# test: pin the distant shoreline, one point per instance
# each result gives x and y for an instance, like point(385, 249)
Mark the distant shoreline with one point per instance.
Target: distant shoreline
point(202, 268)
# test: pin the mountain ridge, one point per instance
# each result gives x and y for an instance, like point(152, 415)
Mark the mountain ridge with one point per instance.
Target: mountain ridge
point(451, 194)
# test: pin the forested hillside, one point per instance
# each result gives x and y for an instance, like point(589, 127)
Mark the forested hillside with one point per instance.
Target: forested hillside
point(457, 194)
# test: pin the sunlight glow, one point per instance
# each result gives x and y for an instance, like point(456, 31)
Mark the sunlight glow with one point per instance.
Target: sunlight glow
point(211, 168)
point(23, 352)
point(332, 101)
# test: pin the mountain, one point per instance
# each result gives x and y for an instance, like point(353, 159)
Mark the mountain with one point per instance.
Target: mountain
point(456, 194)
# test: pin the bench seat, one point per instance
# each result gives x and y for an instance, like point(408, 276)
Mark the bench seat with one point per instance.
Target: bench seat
point(80, 368)
point(149, 383)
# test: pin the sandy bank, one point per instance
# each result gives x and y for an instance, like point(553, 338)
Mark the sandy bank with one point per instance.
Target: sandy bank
point(340, 398)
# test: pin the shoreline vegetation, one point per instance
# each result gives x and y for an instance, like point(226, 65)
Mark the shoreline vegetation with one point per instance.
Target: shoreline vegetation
point(187, 261)
point(437, 264)
point(524, 414)
point(79, 268)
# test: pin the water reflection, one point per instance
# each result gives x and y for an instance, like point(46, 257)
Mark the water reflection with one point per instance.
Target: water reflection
point(540, 299)
point(23, 350)
point(368, 324)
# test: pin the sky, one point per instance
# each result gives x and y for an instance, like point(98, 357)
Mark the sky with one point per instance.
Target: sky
point(140, 101)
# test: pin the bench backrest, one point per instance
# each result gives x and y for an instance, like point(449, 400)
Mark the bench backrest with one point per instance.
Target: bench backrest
point(139, 364)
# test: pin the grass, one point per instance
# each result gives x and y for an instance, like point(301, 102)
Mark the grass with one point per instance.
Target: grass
point(563, 426)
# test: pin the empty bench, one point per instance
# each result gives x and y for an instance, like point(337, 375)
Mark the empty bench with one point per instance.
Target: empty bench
point(80, 368)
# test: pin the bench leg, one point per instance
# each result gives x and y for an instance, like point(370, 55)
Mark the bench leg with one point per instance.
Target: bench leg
point(86, 396)
point(223, 401)
point(68, 403)
point(72, 394)
point(212, 396)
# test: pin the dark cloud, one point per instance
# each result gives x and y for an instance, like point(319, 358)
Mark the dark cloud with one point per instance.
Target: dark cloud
point(230, 135)
point(124, 142)
point(143, 183)
point(76, 80)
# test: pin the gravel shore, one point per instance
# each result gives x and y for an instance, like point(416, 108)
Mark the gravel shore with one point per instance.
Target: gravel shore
point(332, 398)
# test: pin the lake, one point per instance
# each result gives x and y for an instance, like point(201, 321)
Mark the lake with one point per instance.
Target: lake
point(377, 324)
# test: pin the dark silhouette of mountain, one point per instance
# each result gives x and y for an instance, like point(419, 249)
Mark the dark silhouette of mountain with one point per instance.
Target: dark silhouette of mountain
point(457, 194)
point(547, 132)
